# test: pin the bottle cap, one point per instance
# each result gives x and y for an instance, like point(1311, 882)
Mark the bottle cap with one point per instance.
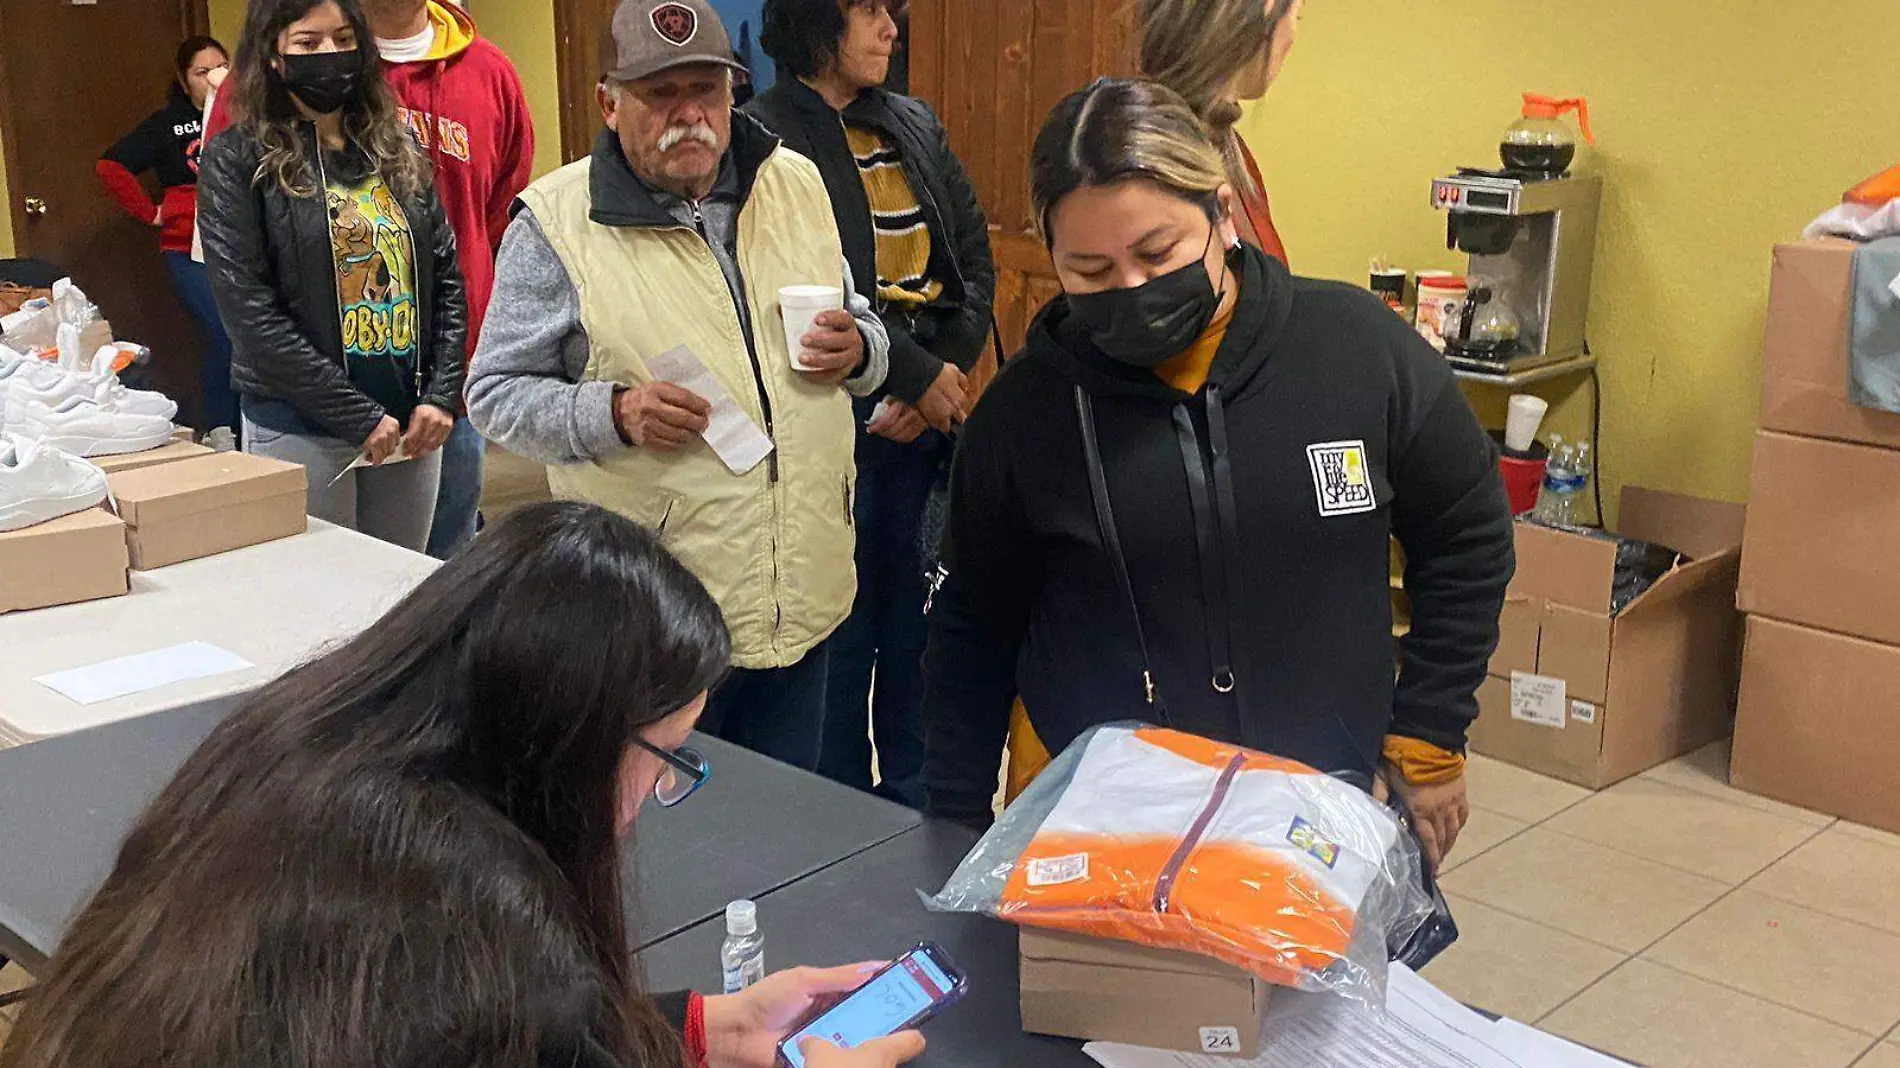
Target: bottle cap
point(742, 918)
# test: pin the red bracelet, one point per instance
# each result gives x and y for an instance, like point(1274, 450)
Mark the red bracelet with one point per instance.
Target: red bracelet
point(695, 1035)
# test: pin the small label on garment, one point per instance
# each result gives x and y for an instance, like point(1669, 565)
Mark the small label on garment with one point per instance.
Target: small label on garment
point(1304, 836)
point(1583, 712)
point(1220, 1040)
point(1538, 699)
point(1341, 478)
point(1059, 871)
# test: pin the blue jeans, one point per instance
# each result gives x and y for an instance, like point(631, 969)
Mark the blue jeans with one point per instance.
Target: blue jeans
point(776, 713)
point(194, 292)
point(460, 501)
point(883, 640)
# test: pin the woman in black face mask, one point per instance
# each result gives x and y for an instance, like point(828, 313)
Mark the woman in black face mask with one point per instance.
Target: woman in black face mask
point(1176, 505)
point(334, 271)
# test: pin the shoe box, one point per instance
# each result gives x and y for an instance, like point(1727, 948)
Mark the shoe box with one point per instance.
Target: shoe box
point(207, 505)
point(1805, 350)
point(79, 557)
point(167, 453)
point(1591, 696)
point(1104, 991)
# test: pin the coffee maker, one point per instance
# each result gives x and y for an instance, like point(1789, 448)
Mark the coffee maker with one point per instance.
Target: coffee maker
point(1532, 241)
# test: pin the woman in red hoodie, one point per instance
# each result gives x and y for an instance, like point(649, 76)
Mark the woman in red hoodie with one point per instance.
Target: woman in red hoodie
point(168, 144)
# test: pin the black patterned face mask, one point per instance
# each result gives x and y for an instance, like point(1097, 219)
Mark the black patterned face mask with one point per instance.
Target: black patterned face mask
point(1149, 324)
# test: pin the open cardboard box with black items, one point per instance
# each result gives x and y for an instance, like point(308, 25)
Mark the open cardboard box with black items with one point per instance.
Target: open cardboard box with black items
point(1592, 696)
point(208, 505)
point(1105, 991)
point(79, 557)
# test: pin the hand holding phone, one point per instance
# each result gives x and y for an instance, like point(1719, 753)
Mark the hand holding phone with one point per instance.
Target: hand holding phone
point(901, 997)
point(887, 1052)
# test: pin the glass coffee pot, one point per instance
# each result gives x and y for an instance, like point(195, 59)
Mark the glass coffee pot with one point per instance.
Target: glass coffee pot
point(1540, 143)
point(1488, 329)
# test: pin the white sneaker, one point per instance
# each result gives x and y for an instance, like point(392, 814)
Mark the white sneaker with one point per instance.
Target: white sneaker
point(84, 427)
point(29, 372)
point(100, 386)
point(38, 483)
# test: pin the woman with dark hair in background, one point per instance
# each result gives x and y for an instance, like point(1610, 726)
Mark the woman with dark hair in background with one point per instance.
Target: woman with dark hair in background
point(335, 271)
point(168, 144)
point(1177, 504)
point(406, 853)
point(1218, 54)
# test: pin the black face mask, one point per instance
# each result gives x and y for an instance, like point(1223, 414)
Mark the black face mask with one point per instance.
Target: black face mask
point(1153, 322)
point(323, 81)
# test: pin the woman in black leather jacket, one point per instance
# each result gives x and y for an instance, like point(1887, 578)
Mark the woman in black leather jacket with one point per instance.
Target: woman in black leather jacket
point(334, 271)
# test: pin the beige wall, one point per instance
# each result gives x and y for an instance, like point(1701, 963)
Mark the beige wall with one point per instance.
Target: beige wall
point(1723, 129)
point(6, 210)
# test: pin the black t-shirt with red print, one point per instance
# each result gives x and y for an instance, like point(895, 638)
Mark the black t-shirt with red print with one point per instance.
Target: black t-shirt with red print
point(167, 144)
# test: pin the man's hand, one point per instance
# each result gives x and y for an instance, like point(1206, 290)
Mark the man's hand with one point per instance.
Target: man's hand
point(900, 1048)
point(660, 416)
point(428, 428)
point(898, 422)
point(1439, 811)
point(383, 441)
point(743, 1030)
point(946, 402)
point(833, 349)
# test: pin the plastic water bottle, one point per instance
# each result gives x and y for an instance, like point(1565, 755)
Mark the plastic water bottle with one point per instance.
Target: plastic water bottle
point(1565, 479)
point(742, 957)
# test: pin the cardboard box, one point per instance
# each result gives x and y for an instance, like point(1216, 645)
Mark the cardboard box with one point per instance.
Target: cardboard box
point(208, 505)
point(1591, 698)
point(164, 454)
point(1104, 991)
point(1823, 545)
point(184, 433)
point(80, 557)
point(1805, 351)
point(1817, 723)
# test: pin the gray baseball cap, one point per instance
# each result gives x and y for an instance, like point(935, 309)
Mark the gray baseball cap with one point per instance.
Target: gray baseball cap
point(650, 36)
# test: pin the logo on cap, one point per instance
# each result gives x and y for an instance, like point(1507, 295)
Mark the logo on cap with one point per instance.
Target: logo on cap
point(675, 23)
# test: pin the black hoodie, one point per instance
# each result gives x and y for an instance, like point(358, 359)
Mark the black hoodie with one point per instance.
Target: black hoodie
point(1254, 518)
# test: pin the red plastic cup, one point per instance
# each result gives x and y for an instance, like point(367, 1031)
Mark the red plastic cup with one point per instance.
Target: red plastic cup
point(1522, 478)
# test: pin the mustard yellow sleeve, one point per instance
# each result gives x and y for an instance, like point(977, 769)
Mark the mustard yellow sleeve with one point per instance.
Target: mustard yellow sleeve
point(1422, 763)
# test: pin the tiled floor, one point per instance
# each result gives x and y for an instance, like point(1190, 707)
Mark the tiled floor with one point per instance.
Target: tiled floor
point(1678, 922)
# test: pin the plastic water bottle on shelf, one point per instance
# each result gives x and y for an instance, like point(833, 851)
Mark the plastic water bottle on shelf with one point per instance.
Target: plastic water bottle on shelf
point(742, 957)
point(1565, 479)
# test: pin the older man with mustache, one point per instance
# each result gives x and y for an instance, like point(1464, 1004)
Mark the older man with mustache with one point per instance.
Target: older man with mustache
point(680, 230)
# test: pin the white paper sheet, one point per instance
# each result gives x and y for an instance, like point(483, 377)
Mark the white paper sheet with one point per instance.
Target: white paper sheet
point(734, 437)
point(1422, 1028)
point(397, 457)
point(113, 679)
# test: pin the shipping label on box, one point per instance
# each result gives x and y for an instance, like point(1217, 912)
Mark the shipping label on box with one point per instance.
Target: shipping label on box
point(1539, 699)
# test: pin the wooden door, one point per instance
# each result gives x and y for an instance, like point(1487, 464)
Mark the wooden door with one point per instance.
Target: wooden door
point(74, 78)
point(994, 69)
point(580, 35)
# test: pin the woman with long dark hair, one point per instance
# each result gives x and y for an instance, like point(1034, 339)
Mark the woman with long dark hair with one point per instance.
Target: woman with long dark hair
point(335, 271)
point(169, 144)
point(405, 853)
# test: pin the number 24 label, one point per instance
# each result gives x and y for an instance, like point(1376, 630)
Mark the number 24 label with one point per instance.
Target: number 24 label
point(1220, 1040)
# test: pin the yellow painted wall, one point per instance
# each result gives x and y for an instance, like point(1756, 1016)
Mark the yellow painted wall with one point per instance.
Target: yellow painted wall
point(522, 28)
point(6, 211)
point(1723, 128)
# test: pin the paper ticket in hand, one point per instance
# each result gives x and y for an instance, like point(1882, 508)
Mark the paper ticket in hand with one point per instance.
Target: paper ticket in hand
point(362, 460)
point(737, 440)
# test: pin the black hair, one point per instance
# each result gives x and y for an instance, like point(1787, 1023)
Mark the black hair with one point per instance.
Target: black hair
point(402, 854)
point(803, 36)
point(188, 50)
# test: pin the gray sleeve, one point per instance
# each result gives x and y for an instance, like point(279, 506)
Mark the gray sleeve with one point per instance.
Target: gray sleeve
point(877, 341)
point(525, 387)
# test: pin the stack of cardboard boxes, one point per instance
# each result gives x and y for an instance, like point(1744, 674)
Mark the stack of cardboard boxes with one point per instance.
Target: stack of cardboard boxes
point(174, 503)
point(1819, 718)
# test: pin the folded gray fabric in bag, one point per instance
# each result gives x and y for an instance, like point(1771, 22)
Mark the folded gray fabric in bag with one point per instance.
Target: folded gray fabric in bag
point(1874, 356)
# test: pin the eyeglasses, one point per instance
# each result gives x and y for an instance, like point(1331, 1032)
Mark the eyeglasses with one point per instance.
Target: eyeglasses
point(686, 771)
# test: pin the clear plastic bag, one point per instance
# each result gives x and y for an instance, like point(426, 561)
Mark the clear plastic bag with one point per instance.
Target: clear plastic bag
point(1165, 839)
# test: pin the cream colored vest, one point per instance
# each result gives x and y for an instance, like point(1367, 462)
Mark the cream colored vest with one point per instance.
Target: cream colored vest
point(776, 553)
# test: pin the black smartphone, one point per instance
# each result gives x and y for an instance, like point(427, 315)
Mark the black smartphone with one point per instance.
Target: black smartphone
point(915, 987)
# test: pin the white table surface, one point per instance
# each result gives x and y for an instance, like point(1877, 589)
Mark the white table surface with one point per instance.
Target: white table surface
point(274, 604)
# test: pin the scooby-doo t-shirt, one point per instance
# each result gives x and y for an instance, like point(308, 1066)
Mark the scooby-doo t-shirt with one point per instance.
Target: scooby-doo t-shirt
point(376, 288)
